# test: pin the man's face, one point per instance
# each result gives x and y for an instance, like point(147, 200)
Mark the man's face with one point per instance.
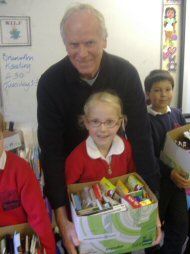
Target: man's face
point(84, 43)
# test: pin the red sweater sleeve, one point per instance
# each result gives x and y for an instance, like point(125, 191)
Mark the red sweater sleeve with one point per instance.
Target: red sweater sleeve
point(34, 205)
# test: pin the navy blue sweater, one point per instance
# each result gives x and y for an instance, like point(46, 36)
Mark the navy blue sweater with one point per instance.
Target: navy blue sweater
point(160, 125)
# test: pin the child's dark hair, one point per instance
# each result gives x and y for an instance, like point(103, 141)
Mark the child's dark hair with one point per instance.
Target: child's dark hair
point(2, 123)
point(157, 76)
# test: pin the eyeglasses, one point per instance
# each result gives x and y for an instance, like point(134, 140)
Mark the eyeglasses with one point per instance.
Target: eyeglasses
point(110, 123)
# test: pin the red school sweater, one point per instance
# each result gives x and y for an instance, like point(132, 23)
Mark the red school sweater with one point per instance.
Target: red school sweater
point(81, 168)
point(21, 200)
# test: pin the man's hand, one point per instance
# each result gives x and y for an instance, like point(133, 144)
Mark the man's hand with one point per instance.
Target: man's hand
point(158, 232)
point(67, 230)
point(178, 177)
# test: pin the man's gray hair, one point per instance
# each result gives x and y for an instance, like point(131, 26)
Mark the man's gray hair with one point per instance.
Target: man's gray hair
point(80, 7)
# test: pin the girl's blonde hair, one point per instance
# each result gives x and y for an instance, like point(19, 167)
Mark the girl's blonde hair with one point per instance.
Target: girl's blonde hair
point(2, 123)
point(108, 97)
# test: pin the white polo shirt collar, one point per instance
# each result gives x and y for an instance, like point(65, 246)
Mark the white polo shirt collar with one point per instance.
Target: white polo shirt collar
point(3, 159)
point(116, 148)
point(154, 113)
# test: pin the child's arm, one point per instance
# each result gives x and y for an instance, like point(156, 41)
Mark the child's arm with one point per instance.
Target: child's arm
point(34, 206)
point(178, 177)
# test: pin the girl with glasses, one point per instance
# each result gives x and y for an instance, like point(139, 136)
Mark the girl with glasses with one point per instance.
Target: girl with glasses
point(104, 153)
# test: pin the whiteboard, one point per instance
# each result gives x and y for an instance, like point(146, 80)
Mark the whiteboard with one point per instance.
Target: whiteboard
point(19, 84)
point(134, 33)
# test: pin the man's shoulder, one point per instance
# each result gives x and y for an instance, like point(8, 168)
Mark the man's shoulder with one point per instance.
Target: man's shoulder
point(114, 59)
point(57, 74)
point(118, 65)
point(57, 68)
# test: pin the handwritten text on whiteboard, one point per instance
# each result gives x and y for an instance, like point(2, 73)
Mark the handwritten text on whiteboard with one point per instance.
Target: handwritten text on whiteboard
point(19, 79)
point(17, 71)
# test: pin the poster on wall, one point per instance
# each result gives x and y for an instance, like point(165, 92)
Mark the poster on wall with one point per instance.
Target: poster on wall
point(171, 35)
point(171, 41)
point(15, 31)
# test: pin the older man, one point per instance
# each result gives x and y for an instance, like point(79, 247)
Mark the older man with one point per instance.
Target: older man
point(61, 94)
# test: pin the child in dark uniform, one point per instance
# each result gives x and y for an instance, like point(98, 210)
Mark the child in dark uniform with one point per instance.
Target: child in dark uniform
point(159, 86)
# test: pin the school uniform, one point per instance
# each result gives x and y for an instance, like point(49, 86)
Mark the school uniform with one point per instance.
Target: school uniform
point(172, 200)
point(85, 163)
point(21, 199)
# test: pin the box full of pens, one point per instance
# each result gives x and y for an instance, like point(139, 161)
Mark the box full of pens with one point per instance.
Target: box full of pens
point(115, 215)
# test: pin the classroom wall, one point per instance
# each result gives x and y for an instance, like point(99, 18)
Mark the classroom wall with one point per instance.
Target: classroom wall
point(134, 32)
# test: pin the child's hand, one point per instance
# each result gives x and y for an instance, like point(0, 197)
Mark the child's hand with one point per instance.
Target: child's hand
point(178, 177)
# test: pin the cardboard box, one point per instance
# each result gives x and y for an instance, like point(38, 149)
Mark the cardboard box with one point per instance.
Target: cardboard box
point(116, 231)
point(172, 154)
point(18, 234)
point(24, 229)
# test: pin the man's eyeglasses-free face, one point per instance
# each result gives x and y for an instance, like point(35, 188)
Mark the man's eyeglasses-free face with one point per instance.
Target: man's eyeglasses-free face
point(110, 123)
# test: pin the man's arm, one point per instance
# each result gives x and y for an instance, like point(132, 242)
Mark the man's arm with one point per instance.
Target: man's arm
point(52, 159)
point(50, 137)
point(139, 132)
point(67, 230)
